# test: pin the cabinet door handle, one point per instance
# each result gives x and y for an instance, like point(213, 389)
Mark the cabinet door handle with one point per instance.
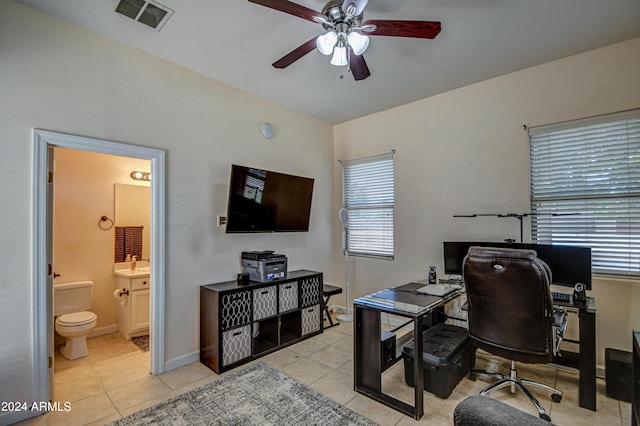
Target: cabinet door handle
point(310, 310)
point(265, 292)
point(287, 287)
point(237, 333)
point(144, 283)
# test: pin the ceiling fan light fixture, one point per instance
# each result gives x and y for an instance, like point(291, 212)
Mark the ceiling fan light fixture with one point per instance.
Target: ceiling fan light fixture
point(358, 42)
point(367, 28)
point(339, 58)
point(351, 10)
point(326, 42)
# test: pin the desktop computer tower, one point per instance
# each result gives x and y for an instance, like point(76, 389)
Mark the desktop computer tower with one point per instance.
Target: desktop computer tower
point(388, 348)
point(434, 317)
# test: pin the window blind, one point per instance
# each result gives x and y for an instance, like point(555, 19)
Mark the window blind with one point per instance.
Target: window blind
point(368, 195)
point(585, 189)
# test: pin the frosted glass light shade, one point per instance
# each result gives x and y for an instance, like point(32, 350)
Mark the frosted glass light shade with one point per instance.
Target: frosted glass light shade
point(326, 42)
point(358, 42)
point(339, 56)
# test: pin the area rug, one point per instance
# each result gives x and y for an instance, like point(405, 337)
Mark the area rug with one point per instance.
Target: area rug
point(142, 342)
point(256, 395)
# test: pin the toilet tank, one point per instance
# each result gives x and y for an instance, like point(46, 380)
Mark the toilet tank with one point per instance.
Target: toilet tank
point(72, 297)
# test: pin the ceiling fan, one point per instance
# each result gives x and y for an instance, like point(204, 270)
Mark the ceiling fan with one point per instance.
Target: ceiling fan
point(346, 36)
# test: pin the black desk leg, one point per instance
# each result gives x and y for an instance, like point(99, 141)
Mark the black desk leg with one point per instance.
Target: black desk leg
point(368, 347)
point(418, 372)
point(587, 360)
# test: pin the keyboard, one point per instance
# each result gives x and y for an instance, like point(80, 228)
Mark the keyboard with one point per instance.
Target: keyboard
point(436, 289)
point(455, 281)
point(562, 297)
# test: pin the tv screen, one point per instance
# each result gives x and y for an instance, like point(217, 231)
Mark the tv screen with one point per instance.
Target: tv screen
point(266, 201)
point(569, 264)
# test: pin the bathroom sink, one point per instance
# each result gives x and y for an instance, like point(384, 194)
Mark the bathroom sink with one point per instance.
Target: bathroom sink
point(128, 273)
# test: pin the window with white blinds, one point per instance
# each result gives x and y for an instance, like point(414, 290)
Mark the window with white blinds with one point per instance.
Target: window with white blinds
point(585, 189)
point(368, 195)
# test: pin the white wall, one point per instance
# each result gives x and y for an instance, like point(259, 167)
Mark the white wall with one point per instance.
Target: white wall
point(466, 151)
point(60, 77)
point(461, 152)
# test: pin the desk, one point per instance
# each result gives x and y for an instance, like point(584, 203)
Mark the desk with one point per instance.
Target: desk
point(585, 359)
point(368, 347)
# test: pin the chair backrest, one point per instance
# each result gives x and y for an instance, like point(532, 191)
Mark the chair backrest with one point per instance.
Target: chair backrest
point(510, 304)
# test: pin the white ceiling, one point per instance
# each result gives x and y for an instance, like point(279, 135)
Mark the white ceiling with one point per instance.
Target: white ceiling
point(236, 42)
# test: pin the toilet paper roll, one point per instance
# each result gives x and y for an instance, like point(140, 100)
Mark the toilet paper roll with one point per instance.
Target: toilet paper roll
point(117, 293)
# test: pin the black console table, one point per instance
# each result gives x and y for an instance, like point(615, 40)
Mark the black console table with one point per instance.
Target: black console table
point(585, 359)
point(635, 384)
point(240, 322)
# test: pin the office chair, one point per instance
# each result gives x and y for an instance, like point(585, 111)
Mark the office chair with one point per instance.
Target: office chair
point(511, 314)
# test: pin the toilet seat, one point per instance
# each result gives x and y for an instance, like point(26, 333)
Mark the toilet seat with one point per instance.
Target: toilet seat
point(76, 319)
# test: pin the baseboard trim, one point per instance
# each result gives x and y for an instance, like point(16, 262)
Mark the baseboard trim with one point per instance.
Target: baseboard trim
point(600, 372)
point(181, 361)
point(393, 321)
point(100, 331)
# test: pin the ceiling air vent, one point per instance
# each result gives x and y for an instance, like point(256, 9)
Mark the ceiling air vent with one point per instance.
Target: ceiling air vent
point(149, 13)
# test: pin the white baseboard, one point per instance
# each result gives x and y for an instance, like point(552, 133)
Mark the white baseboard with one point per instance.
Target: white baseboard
point(181, 361)
point(600, 372)
point(100, 331)
point(337, 308)
point(394, 321)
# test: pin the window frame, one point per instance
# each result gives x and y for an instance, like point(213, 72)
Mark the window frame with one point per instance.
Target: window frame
point(371, 208)
point(585, 189)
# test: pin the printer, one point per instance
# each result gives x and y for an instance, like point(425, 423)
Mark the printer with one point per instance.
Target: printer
point(264, 266)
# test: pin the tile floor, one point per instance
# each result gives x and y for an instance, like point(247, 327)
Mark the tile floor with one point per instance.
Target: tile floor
point(113, 382)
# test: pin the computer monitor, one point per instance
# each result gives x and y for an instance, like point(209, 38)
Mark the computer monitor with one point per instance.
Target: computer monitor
point(569, 264)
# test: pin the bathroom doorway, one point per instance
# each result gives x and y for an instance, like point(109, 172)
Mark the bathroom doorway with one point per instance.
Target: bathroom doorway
point(95, 199)
point(45, 144)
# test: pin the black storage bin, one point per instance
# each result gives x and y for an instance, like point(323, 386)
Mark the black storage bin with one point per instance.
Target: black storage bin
point(447, 356)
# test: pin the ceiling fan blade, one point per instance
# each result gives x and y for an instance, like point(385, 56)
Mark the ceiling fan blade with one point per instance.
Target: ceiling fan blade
point(290, 8)
point(295, 54)
point(415, 29)
point(359, 4)
point(358, 66)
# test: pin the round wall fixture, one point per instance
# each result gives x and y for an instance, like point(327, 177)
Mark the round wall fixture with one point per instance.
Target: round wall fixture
point(267, 130)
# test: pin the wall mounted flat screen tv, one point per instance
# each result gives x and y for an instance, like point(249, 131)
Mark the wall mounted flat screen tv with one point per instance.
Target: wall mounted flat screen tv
point(569, 264)
point(267, 201)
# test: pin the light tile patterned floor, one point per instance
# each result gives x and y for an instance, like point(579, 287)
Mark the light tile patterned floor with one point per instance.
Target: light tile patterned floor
point(114, 381)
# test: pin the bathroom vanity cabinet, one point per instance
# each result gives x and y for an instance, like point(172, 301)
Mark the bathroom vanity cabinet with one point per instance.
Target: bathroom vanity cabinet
point(241, 322)
point(133, 310)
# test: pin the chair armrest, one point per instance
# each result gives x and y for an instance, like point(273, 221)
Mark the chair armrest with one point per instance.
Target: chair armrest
point(559, 324)
point(559, 320)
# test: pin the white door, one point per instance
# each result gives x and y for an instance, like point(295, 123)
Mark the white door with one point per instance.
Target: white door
point(49, 285)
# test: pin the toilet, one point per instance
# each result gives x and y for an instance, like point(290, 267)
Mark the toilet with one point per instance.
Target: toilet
point(74, 321)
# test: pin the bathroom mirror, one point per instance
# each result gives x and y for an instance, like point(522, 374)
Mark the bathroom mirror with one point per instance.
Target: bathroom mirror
point(133, 208)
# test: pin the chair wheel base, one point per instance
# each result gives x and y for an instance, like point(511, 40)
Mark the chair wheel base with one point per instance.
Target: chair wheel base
point(556, 397)
point(472, 376)
point(545, 417)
